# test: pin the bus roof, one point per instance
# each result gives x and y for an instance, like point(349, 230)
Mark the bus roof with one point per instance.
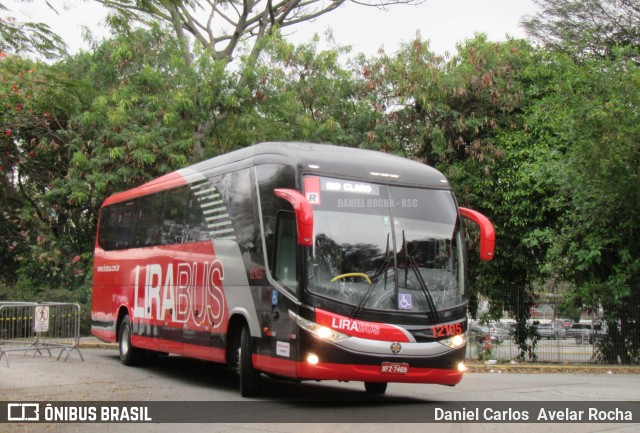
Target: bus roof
point(321, 159)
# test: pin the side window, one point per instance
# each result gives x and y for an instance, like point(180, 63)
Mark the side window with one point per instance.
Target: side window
point(176, 204)
point(196, 229)
point(148, 220)
point(269, 177)
point(117, 226)
point(285, 250)
point(235, 191)
point(208, 216)
point(106, 217)
point(196, 212)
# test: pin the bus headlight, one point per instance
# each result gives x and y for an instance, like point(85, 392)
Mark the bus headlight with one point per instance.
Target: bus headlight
point(317, 330)
point(455, 341)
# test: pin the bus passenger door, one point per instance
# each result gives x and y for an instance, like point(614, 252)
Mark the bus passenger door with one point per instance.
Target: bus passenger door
point(282, 333)
point(283, 330)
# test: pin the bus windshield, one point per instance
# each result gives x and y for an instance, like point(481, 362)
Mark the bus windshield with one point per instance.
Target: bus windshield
point(381, 247)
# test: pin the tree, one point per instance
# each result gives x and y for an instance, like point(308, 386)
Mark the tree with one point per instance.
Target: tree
point(135, 122)
point(27, 37)
point(443, 111)
point(220, 26)
point(226, 29)
point(582, 27)
point(302, 93)
point(593, 112)
point(76, 131)
point(37, 101)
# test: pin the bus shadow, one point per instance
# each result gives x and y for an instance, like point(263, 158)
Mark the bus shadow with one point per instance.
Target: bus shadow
point(328, 394)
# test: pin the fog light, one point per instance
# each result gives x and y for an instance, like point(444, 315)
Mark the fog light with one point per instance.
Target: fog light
point(312, 359)
point(461, 367)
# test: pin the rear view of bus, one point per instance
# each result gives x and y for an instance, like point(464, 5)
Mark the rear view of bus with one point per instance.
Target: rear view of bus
point(335, 264)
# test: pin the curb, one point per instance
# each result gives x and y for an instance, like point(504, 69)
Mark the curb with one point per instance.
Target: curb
point(97, 345)
point(553, 368)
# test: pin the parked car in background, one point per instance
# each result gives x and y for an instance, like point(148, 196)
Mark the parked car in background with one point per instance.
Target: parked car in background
point(498, 332)
point(550, 331)
point(587, 332)
point(512, 328)
point(477, 333)
point(563, 323)
point(562, 331)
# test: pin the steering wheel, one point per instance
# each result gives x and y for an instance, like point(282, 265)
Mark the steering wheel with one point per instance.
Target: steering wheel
point(351, 274)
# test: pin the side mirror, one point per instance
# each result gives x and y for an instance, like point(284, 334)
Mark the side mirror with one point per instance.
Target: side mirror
point(303, 211)
point(487, 232)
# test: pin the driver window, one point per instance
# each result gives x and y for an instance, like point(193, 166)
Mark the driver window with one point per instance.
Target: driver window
point(285, 250)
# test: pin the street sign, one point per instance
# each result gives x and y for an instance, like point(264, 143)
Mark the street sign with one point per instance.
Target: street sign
point(41, 319)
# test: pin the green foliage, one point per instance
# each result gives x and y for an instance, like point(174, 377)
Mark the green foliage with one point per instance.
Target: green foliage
point(586, 28)
point(73, 133)
point(597, 244)
point(37, 101)
point(22, 38)
point(305, 94)
point(444, 111)
point(137, 120)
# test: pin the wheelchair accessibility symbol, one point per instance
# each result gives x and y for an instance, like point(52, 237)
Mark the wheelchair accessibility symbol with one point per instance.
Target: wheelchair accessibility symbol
point(405, 302)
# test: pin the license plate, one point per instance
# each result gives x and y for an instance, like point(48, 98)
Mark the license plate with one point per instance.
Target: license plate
point(394, 368)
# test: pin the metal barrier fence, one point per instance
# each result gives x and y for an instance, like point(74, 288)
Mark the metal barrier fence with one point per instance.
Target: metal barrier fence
point(558, 351)
point(38, 328)
point(606, 330)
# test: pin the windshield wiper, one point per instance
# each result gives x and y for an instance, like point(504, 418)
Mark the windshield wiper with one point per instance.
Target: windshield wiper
point(384, 266)
point(410, 260)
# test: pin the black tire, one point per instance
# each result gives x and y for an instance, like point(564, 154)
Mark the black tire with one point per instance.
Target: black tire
point(375, 387)
point(129, 355)
point(249, 376)
point(579, 339)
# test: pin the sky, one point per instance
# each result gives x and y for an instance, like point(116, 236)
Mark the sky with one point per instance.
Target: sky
point(443, 22)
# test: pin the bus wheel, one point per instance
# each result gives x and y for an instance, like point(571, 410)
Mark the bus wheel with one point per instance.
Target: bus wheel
point(249, 376)
point(129, 355)
point(375, 387)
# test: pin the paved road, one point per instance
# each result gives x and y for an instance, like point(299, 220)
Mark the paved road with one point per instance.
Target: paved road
point(102, 377)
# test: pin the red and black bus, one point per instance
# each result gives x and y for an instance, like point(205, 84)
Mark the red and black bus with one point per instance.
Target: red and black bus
point(296, 260)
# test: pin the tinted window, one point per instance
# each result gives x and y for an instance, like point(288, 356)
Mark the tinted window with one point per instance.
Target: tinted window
point(285, 250)
point(174, 217)
point(117, 226)
point(191, 213)
point(198, 195)
point(168, 217)
point(149, 212)
point(271, 176)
